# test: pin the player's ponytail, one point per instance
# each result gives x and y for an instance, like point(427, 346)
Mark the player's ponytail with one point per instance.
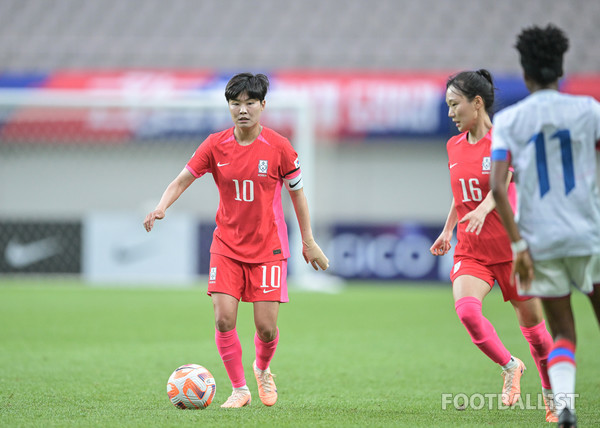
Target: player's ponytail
point(487, 75)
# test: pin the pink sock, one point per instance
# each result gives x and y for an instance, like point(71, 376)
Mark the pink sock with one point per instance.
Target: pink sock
point(265, 351)
point(481, 330)
point(230, 350)
point(540, 345)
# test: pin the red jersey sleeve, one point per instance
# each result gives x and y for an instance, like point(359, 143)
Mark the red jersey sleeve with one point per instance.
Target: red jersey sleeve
point(202, 159)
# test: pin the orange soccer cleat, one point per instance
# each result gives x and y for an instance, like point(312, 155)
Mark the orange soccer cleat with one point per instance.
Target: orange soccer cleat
point(511, 391)
point(551, 414)
point(238, 398)
point(267, 391)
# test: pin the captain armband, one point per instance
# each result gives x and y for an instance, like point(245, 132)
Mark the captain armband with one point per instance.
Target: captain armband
point(294, 183)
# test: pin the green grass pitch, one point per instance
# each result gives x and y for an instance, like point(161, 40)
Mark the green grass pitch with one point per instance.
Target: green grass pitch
point(373, 355)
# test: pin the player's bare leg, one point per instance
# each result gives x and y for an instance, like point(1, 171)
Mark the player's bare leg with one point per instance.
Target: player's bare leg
point(230, 349)
point(531, 320)
point(226, 309)
point(265, 340)
point(470, 286)
point(529, 312)
point(560, 318)
point(561, 362)
point(265, 320)
point(595, 300)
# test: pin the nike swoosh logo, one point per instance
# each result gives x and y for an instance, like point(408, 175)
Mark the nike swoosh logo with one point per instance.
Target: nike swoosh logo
point(268, 291)
point(452, 165)
point(219, 164)
point(295, 184)
point(19, 255)
point(130, 253)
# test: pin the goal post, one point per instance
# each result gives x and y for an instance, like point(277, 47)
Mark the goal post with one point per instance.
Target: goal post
point(300, 119)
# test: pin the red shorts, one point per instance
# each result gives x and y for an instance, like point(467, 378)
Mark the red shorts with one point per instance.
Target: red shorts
point(250, 282)
point(499, 272)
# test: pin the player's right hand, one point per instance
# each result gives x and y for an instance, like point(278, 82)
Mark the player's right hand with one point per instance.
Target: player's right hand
point(522, 270)
point(151, 217)
point(442, 244)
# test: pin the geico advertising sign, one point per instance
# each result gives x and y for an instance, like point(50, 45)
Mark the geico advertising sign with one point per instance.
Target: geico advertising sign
point(387, 252)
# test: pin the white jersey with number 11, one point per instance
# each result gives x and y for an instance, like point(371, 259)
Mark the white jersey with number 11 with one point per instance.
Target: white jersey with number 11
point(550, 139)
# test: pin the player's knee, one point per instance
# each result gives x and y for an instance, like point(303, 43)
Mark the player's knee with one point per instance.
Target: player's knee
point(266, 333)
point(224, 324)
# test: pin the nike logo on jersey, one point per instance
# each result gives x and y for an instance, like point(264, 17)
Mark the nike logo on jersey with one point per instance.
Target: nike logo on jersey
point(295, 184)
point(219, 164)
point(452, 165)
point(268, 291)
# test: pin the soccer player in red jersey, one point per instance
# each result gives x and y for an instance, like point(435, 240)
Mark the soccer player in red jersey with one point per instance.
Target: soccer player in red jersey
point(250, 165)
point(483, 253)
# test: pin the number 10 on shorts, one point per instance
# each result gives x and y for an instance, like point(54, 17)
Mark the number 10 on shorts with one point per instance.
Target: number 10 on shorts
point(275, 278)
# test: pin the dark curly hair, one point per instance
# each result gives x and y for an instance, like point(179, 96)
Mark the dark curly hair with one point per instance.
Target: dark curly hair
point(542, 51)
point(473, 83)
point(256, 86)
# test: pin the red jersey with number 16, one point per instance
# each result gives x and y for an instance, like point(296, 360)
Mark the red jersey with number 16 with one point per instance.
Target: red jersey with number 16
point(250, 222)
point(470, 166)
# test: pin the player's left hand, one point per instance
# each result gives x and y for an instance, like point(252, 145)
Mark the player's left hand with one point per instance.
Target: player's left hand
point(313, 254)
point(522, 270)
point(476, 218)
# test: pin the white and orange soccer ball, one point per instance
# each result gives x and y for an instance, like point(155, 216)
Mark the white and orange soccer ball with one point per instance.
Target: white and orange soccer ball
point(191, 386)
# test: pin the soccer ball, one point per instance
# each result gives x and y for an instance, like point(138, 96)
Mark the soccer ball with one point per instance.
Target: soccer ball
point(191, 387)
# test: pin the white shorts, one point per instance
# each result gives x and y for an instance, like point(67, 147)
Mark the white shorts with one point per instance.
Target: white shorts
point(555, 277)
point(595, 268)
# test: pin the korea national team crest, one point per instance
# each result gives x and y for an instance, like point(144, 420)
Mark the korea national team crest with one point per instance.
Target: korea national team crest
point(213, 274)
point(263, 165)
point(486, 164)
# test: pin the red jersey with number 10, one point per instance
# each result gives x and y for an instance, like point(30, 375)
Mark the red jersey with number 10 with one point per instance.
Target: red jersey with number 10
point(250, 222)
point(470, 166)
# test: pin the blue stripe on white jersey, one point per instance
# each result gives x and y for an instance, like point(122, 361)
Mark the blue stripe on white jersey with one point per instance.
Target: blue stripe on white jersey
point(551, 138)
point(500, 155)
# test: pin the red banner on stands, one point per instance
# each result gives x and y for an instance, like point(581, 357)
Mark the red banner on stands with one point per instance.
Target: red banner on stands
point(130, 82)
point(345, 104)
point(374, 103)
point(582, 84)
